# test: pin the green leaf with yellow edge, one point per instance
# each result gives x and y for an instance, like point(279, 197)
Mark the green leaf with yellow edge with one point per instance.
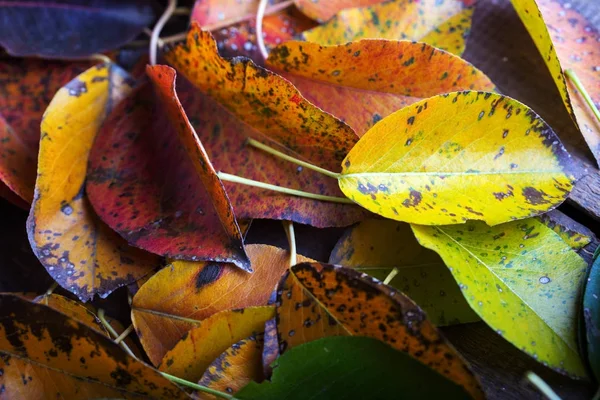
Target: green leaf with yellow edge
point(444, 25)
point(457, 157)
point(199, 347)
point(522, 279)
point(377, 246)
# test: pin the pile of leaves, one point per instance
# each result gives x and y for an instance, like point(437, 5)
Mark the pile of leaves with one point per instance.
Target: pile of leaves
point(146, 173)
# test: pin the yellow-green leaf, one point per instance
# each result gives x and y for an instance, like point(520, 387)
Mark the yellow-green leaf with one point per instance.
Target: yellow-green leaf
point(522, 279)
point(457, 157)
point(377, 246)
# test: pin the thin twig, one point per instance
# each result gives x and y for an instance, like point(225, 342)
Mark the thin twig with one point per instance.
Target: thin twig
point(390, 276)
point(123, 335)
point(114, 333)
point(291, 237)
point(148, 32)
point(158, 27)
point(542, 386)
point(51, 289)
point(588, 99)
point(182, 11)
point(260, 14)
point(196, 386)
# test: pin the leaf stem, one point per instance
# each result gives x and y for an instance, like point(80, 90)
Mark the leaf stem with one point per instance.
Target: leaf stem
point(114, 333)
point(250, 182)
point(260, 40)
point(51, 289)
point(588, 99)
point(158, 27)
point(390, 276)
point(195, 386)
point(291, 236)
point(542, 386)
point(123, 335)
point(276, 153)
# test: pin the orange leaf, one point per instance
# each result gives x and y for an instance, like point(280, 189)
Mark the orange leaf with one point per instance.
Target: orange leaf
point(182, 294)
point(73, 310)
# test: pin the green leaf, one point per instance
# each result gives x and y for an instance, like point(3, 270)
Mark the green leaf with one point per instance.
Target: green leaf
point(346, 367)
point(591, 313)
point(522, 279)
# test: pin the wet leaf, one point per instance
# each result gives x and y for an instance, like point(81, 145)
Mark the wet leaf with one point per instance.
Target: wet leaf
point(80, 252)
point(184, 293)
point(442, 24)
point(156, 187)
point(566, 40)
point(591, 314)
point(45, 354)
point(458, 157)
point(26, 88)
point(519, 274)
point(193, 354)
point(61, 29)
point(376, 247)
point(236, 367)
point(249, 101)
point(385, 75)
point(325, 9)
point(318, 300)
point(353, 368)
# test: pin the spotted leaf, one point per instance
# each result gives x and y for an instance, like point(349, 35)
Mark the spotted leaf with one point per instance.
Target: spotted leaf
point(45, 354)
point(566, 40)
point(573, 233)
point(236, 367)
point(181, 295)
point(442, 24)
point(591, 314)
point(385, 75)
point(74, 310)
point(236, 100)
point(376, 247)
point(457, 157)
point(216, 334)
point(517, 274)
point(324, 9)
point(79, 251)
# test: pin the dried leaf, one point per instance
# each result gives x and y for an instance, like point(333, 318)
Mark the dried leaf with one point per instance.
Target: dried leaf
point(215, 334)
point(81, 253)
point(385, 75)
point(442, 24)
point(459, 157)
point(250, 101)
point(591, 314)
point(325, 9)
point(376, 247)
point(316, 299)
point(566, 40)
point(519, 274)
point(45, 354)
point(183, 293)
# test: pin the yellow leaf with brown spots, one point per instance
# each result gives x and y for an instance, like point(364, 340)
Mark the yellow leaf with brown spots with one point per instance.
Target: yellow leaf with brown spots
point(45, 354)
point(444, 24)
point(362, 306)
point(194, 353)
point(383, 75)
point(566, 40)
point(522, 279)
point(457, 157)
point(73, 310)
point(78, 250)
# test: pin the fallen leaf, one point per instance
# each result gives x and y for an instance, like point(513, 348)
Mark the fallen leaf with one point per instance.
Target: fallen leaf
point(458, 157)
point(236, 367)
point(208, 13)
point(376, 247)
point(270, 346)
point(178, 297)
point(216, 334)
point(45, 354)
point(385, 75)
point(26, 88)
point(573, 233)
point(80, 252)
point(249, 101)
point(591, 315)
point(59, 29)
point(319, 300)
point(323, 10)
point(352, 368)
point(566, 40)
point(517, 274)
point(74, 310)
point(444, 24)
point(156, 187)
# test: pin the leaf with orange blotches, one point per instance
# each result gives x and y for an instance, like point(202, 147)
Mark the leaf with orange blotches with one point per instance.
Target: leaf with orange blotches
point(26, 88)
point(322, 10)
point(318, 300)
point(442, 24)
point(45, 354)
point(236, 367)
point(79, 251)
point(566, 40)
point(385, 75)
point(193, 354)
point(250, 101)
point(178, 297)
point(156, 187)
